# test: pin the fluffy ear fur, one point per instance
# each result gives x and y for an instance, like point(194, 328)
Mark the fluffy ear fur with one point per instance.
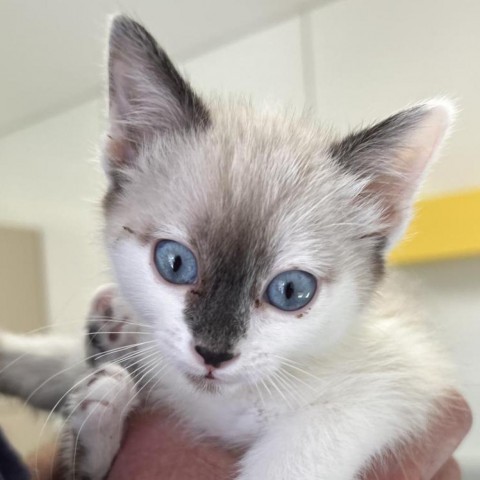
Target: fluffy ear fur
point(147, 95)
point(391, 157)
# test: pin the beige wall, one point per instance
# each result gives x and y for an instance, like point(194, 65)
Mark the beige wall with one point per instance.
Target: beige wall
point(22, 292)
point(22, 300)
point(49, 181)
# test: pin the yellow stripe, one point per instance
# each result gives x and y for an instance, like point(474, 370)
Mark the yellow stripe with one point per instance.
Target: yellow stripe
point(444, 227)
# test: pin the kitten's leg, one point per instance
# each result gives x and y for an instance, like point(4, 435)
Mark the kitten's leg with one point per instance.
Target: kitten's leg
point(95, 415)
point(329, 443)
point(40, 368)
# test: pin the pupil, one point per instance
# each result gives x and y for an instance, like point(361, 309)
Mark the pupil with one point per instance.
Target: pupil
point(177, 263)
point(289, 290)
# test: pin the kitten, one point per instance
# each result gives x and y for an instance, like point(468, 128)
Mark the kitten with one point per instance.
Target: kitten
point(250, 248)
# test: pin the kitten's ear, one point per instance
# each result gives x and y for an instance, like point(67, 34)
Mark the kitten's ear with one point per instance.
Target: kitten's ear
point(147, 95)
point(390, 159)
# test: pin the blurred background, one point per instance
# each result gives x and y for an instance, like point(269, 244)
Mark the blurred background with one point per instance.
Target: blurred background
point(348, 61)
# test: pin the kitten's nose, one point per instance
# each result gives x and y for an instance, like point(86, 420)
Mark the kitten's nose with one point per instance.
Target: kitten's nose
point(214, 359)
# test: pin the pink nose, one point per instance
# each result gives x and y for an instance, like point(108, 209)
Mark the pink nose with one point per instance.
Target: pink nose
point(214, 359)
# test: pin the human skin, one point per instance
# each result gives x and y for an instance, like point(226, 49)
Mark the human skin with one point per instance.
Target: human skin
point(155, 447)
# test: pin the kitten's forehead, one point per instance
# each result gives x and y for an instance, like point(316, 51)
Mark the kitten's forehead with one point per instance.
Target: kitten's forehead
point(259, 166)
point(257, 179)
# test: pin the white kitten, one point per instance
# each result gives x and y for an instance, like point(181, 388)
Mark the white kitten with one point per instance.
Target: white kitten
point(250, 248)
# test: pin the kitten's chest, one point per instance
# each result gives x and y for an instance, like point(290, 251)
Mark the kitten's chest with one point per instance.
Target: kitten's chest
point(237, 421)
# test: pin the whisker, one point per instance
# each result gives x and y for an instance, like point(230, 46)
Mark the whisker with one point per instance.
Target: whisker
point(266, 387)
point(66, 419)
point(152, 387)
point(64, 370)
point(290, 389)
point(81, 428)
point(75, 385)
point(74, 409)
point(24, 354)
point(279, 391)
point(258, 389)
point(289, 360)
point(290, 379)
point(294, 367)
point(79, 324)
point(153, 365)
point(286, 372)
point(119, 349)
point(134, 373)
point(128, 357)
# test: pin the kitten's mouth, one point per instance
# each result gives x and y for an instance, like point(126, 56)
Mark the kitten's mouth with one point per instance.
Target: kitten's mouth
point(206, 382)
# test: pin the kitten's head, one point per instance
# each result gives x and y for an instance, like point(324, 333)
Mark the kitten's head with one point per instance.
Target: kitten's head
point(247, 237)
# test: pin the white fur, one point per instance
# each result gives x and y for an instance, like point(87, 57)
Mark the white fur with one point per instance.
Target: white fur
point(330, 413)
point(95, 413)
point(315, 397)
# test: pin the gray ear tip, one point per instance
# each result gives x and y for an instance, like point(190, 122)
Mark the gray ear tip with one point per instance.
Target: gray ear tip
point(120, 22)
point(123, 27)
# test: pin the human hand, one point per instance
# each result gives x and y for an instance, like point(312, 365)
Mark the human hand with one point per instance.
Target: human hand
point(155, 447)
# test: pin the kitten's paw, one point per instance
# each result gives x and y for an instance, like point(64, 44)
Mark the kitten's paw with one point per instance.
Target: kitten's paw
point(95, 416)
point(102, 401)
point(111, 331)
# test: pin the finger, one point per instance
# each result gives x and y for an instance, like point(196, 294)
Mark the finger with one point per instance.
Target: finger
point(447, 432)
point(425, 457)
point(157, 446)
point(450, 471)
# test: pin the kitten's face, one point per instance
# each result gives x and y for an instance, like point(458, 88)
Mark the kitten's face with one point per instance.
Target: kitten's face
point(250, 198)
point(243, 233)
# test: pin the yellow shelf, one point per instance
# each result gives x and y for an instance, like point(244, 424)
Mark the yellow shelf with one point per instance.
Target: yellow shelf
point(443, 228)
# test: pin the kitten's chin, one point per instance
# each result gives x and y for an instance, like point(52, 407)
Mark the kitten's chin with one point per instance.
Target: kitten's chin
point(206, 383)
point(215, 383)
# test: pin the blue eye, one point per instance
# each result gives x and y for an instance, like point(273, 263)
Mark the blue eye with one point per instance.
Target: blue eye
point(175, 262)
point(291, 290)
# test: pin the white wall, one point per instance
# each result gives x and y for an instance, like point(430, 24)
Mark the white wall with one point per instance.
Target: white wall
point(266, 66)
point(373, 57)
point(49, 181)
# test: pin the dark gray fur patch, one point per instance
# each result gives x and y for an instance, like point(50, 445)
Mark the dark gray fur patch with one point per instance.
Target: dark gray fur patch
point(129, 38)
point(234, 259)
point(170, 104)
point(115, 188)
point(363, 152)
point(379, 257)
point(370, 153)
